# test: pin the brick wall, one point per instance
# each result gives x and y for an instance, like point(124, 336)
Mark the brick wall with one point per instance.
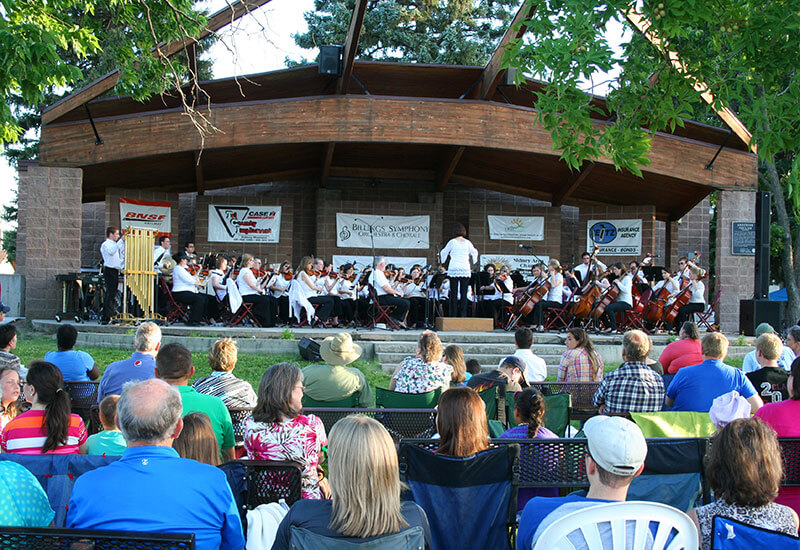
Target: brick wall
point(693, 232)
point(645, 213)
point(93, 232)
point(573, 240)
point(186, 223)
point(113, 195)
point(734, 273)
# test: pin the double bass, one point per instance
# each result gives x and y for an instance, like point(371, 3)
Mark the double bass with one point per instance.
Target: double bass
point(681, 299)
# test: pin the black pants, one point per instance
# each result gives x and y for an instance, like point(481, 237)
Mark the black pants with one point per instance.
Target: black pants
point(401, 306)
point(458, 293)
point(325, 306)
point(416, 313)
point(348, 310)
point(363, 310)
point(687, 312)
point(196, 303)
point(609, 316)
point(111, 277)
point(490, 308)
point(283, 308)
point(264, 308)
point(338, 309)
point(537, 315)
point(212, 307)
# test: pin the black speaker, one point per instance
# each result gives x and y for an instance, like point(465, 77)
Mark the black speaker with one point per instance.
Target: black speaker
point(754, 312)
point(761, 279)
point(330, 60)
point(309, 349)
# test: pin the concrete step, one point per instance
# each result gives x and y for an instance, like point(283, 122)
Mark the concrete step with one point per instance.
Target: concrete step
point(468, 348)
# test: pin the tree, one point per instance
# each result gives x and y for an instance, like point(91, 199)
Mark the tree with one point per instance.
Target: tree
point(744, 51)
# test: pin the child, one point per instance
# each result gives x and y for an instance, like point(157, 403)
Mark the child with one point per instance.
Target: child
point(473, 367)
point(110, 441)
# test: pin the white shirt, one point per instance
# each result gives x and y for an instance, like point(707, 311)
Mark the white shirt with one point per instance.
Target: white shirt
point(281, 282)
point(625, 285)
point(672, 286)
point(697, 293)
point(460, 251)
point(303, 288)
point(216, 277)
point(159, 253)
point(414, 290)
point(507, 285)
point(113, 253)
point(347, 286)
point(378, 280)
point(244, 280)
point(555, 294)
point(640, 277)
point(182, 281)
point(535, 367)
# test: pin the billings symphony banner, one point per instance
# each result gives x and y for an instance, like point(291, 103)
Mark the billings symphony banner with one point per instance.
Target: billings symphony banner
point(153, 215)
point(615, 237)
point(353, 231)
point(516, 228)
point(244, 224)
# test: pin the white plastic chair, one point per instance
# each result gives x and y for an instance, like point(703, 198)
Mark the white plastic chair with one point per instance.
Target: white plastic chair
point(588, 520)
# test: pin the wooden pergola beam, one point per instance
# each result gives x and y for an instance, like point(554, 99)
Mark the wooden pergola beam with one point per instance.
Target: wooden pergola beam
point(575, 180)
point(448, 166)
point(327, 160)
point(351, 45)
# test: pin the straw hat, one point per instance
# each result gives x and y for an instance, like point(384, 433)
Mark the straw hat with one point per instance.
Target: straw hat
point(339, 350)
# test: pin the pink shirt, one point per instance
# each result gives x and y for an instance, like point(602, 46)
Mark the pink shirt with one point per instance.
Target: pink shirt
point(782, 416)
point(681, 353)
point(25, 435)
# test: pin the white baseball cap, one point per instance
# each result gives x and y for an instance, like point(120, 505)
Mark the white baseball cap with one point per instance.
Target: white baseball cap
point(615, 444)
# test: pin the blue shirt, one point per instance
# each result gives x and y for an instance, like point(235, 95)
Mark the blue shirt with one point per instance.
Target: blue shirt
point(74, 364)
point(539, 508)
point(23, 502)
point(152, 489)
point(750, 363)
point(139, 366)
point(695, 388)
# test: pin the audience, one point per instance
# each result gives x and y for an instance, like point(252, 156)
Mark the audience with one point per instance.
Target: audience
point(174, 366)
point(633, 387)
point(10, 406)
point(615, 454)
point(425, 372)
point(770, 380)
point(8, 343)
point(75, 365)
point(151, 488)
point(140, 365)
point(535, 367)
point(785, 354)
point(365, 490)
point(744, 470)
point(23, 502)
point(509, 376)
point(461, 422)
point(48, 428)
point(473, 368)
point(683, 352)
point(783, 418)
point(197, 440)
point(694, 388)
point(580, 363)
point(335, 381)
point(277, 431)
point(109, 442)
point(454, 356)
point(233, 391)
point(728, 407)
point(793, 340)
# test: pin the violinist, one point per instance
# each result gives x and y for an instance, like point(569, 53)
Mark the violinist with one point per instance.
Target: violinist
point(264, 307)
point(624, 299)
point(400, 281)
point(388, 296)
point(328, 278)
point(502, 288)
point(188, 249)
point(697, 303)
point(589, 266)
point(684, 265)
point(487, 288)
point(309, 290)
point(278, 287)
point(184, 291)
point(216, 287)
point(554, 297)
point(415, 291)
point(345, 290)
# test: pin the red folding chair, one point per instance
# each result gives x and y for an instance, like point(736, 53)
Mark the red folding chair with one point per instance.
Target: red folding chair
point(703, 319)
point(177, 313)
point(559, 318)
point(634, 317)
point(244, 313)
point(381, 312)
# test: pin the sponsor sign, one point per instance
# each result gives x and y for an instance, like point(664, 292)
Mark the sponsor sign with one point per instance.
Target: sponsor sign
point(521, 263)
point(243, 224)
point(516, 228)
point(153, 215)
point(615, 237)
point(392, 232)
point(360, 262)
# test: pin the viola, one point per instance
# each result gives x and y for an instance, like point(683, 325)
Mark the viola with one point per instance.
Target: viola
point(193, 269)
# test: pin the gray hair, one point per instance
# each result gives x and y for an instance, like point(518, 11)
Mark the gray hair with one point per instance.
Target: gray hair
point(148, 336)
point(636, 345)
point(148, 411)
point(378, 261)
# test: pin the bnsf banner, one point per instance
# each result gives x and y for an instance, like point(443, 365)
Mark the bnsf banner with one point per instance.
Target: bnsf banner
point(154, 215)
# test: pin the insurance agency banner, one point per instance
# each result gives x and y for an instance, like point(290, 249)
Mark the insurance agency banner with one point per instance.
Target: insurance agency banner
point(615, 237)
point(153, 215)
point(244, 224)
point(359, 231)
point(516, 228)
point(523, 263)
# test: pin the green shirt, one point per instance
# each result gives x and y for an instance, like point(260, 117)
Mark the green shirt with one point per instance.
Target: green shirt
point(106, 443)
point(326, 383)
point(214, 408)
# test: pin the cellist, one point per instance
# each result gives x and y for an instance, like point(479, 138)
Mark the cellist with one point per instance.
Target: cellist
point(668, 281)
point(588, 265)
point(554, 297)
point(697, 303)
point(624, 300)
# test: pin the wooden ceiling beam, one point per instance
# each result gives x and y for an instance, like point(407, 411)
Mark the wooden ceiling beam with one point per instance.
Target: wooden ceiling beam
point(448, 166)
point(351, 46)
point(327, 160)
point(575, 181)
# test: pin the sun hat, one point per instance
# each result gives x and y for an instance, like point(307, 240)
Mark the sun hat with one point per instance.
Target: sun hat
point(615, 444)
point(339, 350)
point(728, 407)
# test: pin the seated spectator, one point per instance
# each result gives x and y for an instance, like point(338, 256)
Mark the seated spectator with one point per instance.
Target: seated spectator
point(365, 485)
point(174, 366)
point(744, 471)
point(683, 352)
point(694, 388)
point(141, 365)
point(109, 442)
point(48, 428)
point(728, 407)
point(782, 417)
point(233, 391)
point(24, 502)
point(535, 367)
point(633, 387)
point(9, 400)
point(785, 354)
point(652, 363)
point(770, 380)
point(473, 368)
point(151, 488)
point(461, 422)
point(793, 340)
point(75, 365)
point(425, 372)
point(3, 308)
point(507, 377)
point(580, 363)
point(197, 440)
point(615, 454)
point(454, 357)
point(335, 381)
point(277, 431)
point(8, 343)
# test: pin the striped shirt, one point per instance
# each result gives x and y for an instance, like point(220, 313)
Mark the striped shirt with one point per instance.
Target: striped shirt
point(26, 435)
point(233, 391)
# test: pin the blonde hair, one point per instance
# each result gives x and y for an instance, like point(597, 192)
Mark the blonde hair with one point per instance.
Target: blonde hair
point(455, 358)
point(223, 355)
point(365, 479)
point(715, 344)
point(770, 346)
point(431, 346)
point(246, 258)
point(553, 262)
point(197, 439)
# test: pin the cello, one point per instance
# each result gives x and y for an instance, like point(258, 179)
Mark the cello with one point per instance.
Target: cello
point(607, 298)
point(681, 299)
point(591, 291)
point(525, 304)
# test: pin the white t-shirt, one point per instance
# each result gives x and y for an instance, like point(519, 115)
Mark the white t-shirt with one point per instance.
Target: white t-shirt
point(347, 286)
point(281, 282)
point(555, 294)
point(216, 277)
point(535, 367)
point(182, 281)
point(625, 285)
point(244, 280)
point(672, 286)
point(583, 269)
point(414, 290)
point(303, 289)
point(378, 280)
point(698, 293)
point(460, 251)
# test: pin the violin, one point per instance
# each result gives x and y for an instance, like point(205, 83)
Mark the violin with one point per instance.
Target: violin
point(310, 271)
point(193, 269)
point(288, 275)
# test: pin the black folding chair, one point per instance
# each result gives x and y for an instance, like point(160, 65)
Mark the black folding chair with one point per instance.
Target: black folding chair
point(29, 538)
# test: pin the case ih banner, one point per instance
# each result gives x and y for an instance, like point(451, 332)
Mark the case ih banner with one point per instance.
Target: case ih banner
point(615, 237)
point(243, 224)
point(153, 215)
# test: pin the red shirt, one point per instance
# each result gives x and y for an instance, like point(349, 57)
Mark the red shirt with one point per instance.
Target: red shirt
point(681, 353)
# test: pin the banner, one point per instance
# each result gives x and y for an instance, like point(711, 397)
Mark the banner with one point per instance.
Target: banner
point(392, 232)
point(153, 215)
point(615, 237)
point(244, 224)
point(360, 262)
point(516, 228)
point(521, 263)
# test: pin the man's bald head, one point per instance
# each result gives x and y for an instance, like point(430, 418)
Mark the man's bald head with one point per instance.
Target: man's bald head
point(148, 411)
point(636, 345)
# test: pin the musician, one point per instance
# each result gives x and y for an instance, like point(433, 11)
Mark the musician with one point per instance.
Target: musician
point(161, 250)
point(502, 293)
point(387, 296)
point(113, 252)
point(264, 306)
point(415, 290)
point(459, 249)
point(346, 291)
point(668, 281)
point(306, 279)
point(216, 287)
point(256, 265)
point(278, 287)
point(697, 303)
point(624, 299)
point(488, 289)
point(326, 278)
point(587, 267)
point(683, 271)
point(188, 249)
point(184, 290)
point(554, 297)
point(637, 274)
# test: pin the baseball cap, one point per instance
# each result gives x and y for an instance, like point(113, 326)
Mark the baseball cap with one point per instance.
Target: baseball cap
point(513, 361)
point(764, 328)
point(616, 444)
point(4, 308)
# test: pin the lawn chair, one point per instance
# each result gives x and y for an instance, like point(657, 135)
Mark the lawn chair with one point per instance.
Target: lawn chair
point(350, 401)
point(556, 416)
point(388, 399)
point(272, 480)
point(29, 538)
point(559, 318)
point(238, 414)
point(729, 534)
point(82, 397)
point(489, 397)
point(243, 310)
point(408, 539)
point(400, 423)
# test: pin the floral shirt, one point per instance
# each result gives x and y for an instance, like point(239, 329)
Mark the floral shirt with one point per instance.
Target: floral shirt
point(576, 367)
point(417, 376)
point(300, 439)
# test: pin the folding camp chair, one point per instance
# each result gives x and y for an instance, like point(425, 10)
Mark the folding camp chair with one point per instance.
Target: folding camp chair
point(704, 319)
point(729, 534)
point(382, 313)
point(244, 313)
point(556, 412)
point(176, 313)
point(28, 538)
point(559, 318)
point(400, 423)
point(351, 401)
point(83, 396)
point(238, 414)
point(489, 397)
point(395, 400)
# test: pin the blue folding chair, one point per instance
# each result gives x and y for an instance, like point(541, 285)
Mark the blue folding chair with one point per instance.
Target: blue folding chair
point(730, 534)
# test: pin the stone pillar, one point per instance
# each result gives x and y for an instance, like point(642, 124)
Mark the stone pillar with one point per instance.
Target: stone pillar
point(670, 259)
point(734, 273)
point(49, 237)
